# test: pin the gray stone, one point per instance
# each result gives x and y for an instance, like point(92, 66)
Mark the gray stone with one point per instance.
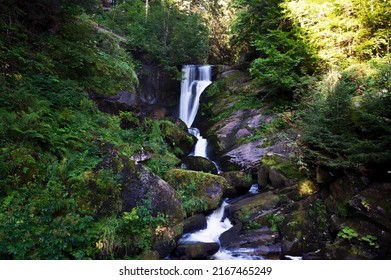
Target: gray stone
point(196, 251)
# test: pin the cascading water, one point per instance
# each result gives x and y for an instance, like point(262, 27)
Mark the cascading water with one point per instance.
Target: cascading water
point(195, 80)
point(216, 224)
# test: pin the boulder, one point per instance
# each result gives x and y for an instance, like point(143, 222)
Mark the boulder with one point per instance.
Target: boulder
point(196, 251)
point(229, 236)
point(241, 181)
point(225, 134)
point(194, 223)
point(246, 209)
point(122, 101)
point(181, 142)
point(198, 163)
point(374, 205)
point(342, 190)
point(140, 184)
point(136, 186)
point(305, 229)
point(206, 187)
point(257, 244)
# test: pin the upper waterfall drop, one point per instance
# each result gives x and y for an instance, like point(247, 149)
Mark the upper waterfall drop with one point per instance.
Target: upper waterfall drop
point(195, 81)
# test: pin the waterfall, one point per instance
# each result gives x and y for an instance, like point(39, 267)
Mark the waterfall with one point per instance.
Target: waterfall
point(216, 225)
point(194, 82)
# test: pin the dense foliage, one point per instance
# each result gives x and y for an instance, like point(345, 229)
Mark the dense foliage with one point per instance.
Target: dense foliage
point(333, 57)
point(55, 201)
point(163, 33)
point(330, 57)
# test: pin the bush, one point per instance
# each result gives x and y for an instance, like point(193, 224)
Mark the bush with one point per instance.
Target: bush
point(347, 123)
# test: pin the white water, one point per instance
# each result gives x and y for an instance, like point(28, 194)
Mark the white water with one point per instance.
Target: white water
point(216, 225)
point(191, 89)
point(201, 145)
point(195, 80)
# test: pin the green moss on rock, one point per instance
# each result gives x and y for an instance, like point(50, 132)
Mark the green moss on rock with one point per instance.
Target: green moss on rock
point(199, 191)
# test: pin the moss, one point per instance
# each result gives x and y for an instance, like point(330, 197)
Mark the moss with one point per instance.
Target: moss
point(287, 168)
point(307, 187)
point(198, 191)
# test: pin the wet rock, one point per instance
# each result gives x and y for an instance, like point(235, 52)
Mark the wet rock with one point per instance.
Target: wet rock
point(262, 243)
point(229, 236)
point(198, 163)
point(194, 223)
point(241, 181)
point(196, 251)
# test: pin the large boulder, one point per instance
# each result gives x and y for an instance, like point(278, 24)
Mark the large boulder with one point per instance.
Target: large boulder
point(198, 163)
point(241, 181)
point(140, 184)
point(246, 209)
point(180, 141)
point(304, 227)
point(122, 101)
point(225, 134)
point(196, 251)
point(135, 186)
point(198, 186)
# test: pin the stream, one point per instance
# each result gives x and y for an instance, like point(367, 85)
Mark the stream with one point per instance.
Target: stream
point(195, 80)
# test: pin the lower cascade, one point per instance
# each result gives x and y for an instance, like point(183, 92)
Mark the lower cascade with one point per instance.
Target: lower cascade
point(216, 224)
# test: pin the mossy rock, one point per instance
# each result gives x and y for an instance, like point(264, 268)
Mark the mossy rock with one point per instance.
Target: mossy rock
point(283, 166)
point(165, 239)
point(374, 204)
point(246, 209)
point(181, 142)
point(196, 251)
point(358, 239)
point(198, 163)
point(241, 181)
point(306, 228)
point(342, 190)
point(144, 185)
point(198, 186)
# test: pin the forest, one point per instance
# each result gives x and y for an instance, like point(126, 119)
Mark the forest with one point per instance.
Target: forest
point(71, 186)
